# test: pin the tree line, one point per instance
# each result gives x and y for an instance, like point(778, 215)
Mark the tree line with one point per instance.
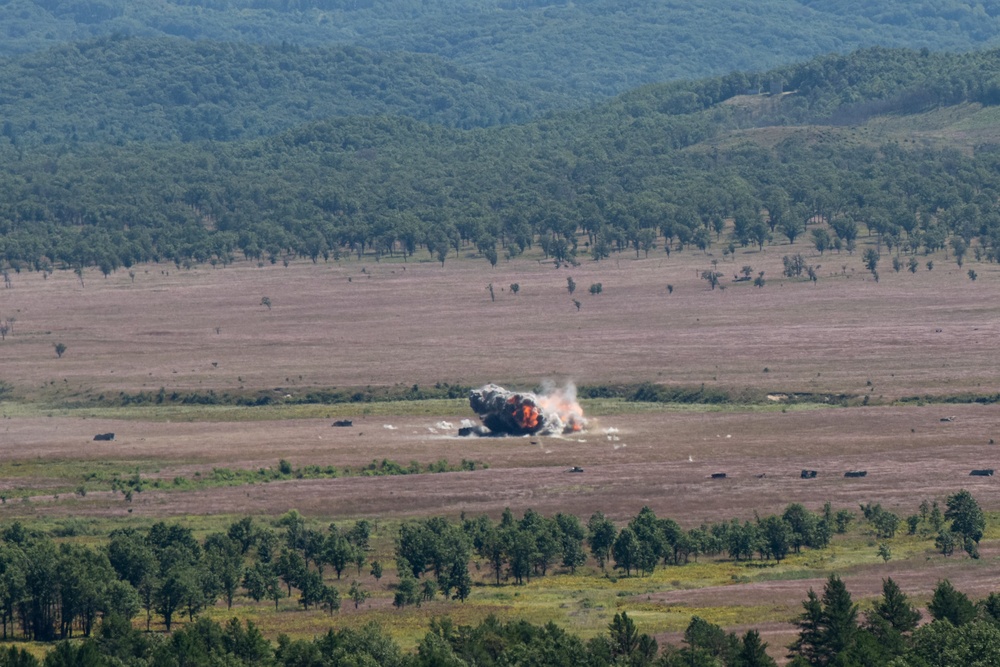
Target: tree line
point(51, 591)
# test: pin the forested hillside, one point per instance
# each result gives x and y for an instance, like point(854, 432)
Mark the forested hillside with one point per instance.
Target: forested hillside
point(590, 47)
point(663, 167)
point(115, 89)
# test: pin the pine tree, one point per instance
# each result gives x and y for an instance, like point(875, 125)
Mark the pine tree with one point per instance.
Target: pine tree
point(895, 608)
point(828, 627)
point(753, 652)
point(840, 618)
point(810, 630)
point(951, 605)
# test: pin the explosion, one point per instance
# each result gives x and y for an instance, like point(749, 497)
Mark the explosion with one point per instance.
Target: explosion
point(553, 412)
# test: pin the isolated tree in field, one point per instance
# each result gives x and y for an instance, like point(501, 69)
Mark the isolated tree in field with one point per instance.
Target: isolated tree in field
point(576, 302)
point(967, 518)
point(3, 331)
point(973, 275)
point(711, 277)
point(570, 284)
point(912, 265)
point(358, 594)
point(596, 288)
point(759, 280)
point(376, 570)
point(60, 349)
point(492, 294)
point(821, 240)
point(871, 258)
point(515, 288)
point(266, 302)
point(330, 599)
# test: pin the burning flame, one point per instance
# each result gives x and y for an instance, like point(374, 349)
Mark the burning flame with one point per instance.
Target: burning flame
point(525, 415)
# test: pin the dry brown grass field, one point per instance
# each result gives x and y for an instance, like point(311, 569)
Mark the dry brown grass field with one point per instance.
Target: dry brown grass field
point(354, 324)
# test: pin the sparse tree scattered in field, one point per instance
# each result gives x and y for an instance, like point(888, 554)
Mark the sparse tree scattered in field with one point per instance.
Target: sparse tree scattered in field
point(759, 280)
point(711, 277)
point(967, 518)
point(670, 289)
point(871, 259)
point(897, 263)
point(884, 552)
point(596, 288)
point(60, 349)
point(973, 275)
point(376, 571)
point(821, 240)
point(746, 271)
point(515, 288)
point(492, 294)
point(930, 265)
point(4, 328)
point(266, 302)
point(959, 247)
point(912, 265)
point(358, 594)
point(570, 284)
point(576, 302)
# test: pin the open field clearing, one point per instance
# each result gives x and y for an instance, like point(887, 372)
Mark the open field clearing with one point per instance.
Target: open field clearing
point(354, 324)
point(662, 459)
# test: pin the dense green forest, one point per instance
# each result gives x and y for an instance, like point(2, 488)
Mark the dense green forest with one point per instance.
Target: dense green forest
point(659, 167)
point(589, 47)
point(115, 90)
